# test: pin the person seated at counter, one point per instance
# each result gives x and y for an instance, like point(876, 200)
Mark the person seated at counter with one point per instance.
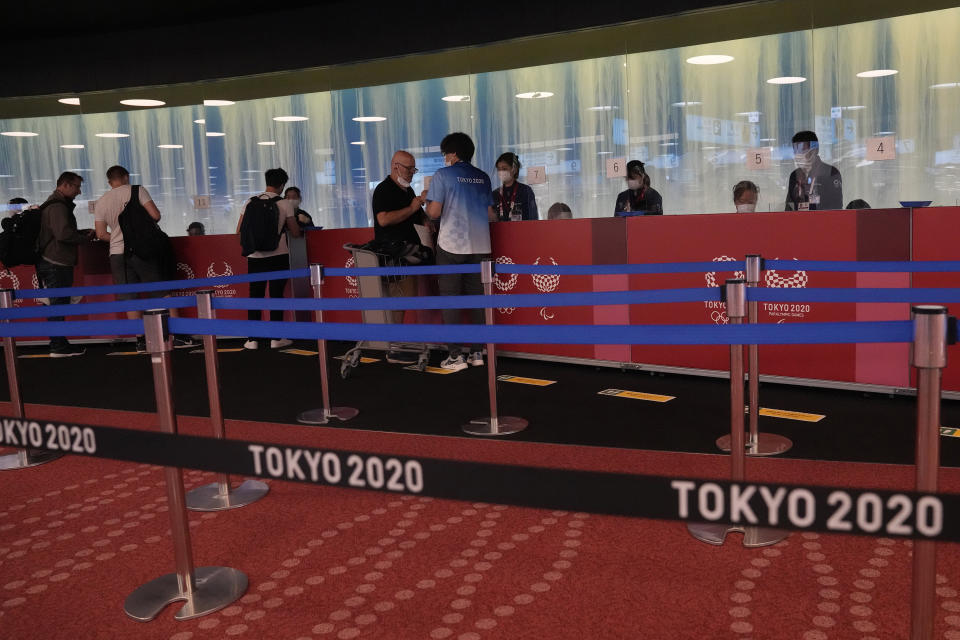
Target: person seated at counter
point(858, 204)
point(639, 198)
point(745, 194)
point(304, 219)
point(196, 229)
point(513, 200)
point(814, 185)
point(559, 211)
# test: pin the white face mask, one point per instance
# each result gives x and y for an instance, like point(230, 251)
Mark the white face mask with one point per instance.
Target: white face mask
point(804, 159)
point(403, 183)
point(505, 176)
point(449, 160)
point(295, 202)
point(633, 185)
point(746, 208)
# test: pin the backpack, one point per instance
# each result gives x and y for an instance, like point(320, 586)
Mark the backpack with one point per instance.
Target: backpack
point(18, 240)
point(260, 229)
point(142, 236)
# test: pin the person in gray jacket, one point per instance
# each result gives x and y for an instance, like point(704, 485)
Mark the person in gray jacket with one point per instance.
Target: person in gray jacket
point(57, 247)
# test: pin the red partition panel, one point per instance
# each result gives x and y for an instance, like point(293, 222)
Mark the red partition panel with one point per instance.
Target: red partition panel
point(936, 236)
point(326, 247)
point(212, 257)
point(719, 238)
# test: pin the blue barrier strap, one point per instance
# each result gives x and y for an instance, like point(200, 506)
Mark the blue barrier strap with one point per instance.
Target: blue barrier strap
point(850, 266)
point(793, 333)
point(73, 328)
point(925, 296)
point(402, 271)
point(588, 298)
point(94, 308)
point(615, 269)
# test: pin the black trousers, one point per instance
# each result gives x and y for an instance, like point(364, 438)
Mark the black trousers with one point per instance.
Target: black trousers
point(277, 287)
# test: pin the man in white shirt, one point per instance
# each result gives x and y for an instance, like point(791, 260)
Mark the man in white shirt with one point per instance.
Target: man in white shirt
point(129, 268)
point(274, 260)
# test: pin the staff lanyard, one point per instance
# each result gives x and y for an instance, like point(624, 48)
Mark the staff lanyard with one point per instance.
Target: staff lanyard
point(513, 197)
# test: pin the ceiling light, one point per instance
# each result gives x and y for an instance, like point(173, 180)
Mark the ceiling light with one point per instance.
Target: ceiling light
point(605, 107)
point(877, 73)
point(215, 134)
point(19, 134)
point(170, 146)
point(73, 101)
point(564, 149)
point(532, 95)
point(686, 104)
point(113, 135)
point(218, 103)
point(855, 107)
point(747, 114)
point(200, 121)
point(358, 142)
point(886, 133)
point(71, 146)
point(768, 139)
point(267, 143)
point(143, 102)
point(945, 85)
point(710, 59)
point(604, 153)
point(290, 118)
point(456, 98)
point(369, 119)
point(787, 80)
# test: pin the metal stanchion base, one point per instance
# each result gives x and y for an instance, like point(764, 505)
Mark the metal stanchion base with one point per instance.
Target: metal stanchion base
point(322, 416)
point(209, 498)
point(499, 426)
point(27, 458)
point(752, 536)
point(216, 587)
point(768, 444)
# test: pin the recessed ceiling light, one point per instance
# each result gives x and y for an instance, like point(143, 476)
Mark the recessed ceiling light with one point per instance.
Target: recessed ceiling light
point(768, 139)
point(668, 144)
point(19, 134)
point(533, 95)
point(605, 107)
point(886, 133)
point(71, 146)
point(267, 143)
point(604, 153)
point(747, 114)
point(143, 102)
point(113, 135)
point(200, 121)
point(170, 146)
point(369, 119)
point(358, 142)
point(787, 80)
point(564, 149)
point(855, 107)
point(215, 134)
point(945, 85)
point(218, 103)
point(710, 59)
point(687, 103)
point(456, 98)
point(73, 101)
point(290, 118)
point(877, 73)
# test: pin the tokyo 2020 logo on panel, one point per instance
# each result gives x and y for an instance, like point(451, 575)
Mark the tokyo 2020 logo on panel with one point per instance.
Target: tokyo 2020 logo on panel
point(222, 290)
point(718, 310)
point(783, 310)
point(184, 268)
point(505, 285)
point(546, 283)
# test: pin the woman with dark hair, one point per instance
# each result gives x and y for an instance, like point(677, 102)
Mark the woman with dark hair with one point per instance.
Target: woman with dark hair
point(639, 198)
point(513, 200)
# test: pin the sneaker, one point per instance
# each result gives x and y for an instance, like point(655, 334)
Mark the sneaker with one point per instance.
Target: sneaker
point(281, 343)
point(398, 357)
point(185, 342)
point(67, 351)
point(475, 359)
point(454, 364)
point(141, 344)
point(251, 344)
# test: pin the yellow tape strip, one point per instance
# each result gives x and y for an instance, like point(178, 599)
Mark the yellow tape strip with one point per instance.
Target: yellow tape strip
point(537, 382)
point(444, 372)
point(299, 352)
point(636, 395)
point(791, 415)
point(126, 353)
point(950, 432)
point(36, 355)
point(223, 350)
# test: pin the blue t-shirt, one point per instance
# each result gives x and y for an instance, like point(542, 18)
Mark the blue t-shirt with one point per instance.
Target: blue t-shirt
point(464, 192)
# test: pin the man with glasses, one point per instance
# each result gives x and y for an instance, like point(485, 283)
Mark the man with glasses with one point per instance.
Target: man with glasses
point(396, 209)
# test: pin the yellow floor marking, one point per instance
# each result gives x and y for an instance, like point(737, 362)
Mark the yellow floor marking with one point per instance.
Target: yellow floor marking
point(226, 350)
point(950, 432)
point(521, 380)
point(299, 352)
point(439, 370)
point(36, 355)
point(791, 415)
point(364, 359)
point(126, 353)
point(636, 395)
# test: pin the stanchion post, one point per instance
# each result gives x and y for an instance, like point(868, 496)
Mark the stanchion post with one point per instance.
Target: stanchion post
point(23, 457)
point(929, 356)
point(325, 412)
point(218, 496)
point(494, 424)
point(206, 589)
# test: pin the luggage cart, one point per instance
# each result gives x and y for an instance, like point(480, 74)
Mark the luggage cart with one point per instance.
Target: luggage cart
point(376, 287)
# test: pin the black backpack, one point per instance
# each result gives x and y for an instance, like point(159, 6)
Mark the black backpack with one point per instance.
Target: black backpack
point(142, 236)
point(260, 229)
point(18, 240)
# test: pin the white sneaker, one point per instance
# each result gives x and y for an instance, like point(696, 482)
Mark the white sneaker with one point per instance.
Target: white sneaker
point(281, 343)
point(251, 344)
point(454, 364)
point(475, 359)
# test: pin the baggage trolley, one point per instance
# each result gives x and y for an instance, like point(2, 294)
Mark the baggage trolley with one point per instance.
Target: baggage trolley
point(376, 287)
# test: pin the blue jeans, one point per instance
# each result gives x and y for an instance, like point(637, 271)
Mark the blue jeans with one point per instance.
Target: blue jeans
point(52, 276)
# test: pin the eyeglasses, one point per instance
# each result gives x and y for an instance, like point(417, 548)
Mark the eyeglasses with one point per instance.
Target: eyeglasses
point(412, 169)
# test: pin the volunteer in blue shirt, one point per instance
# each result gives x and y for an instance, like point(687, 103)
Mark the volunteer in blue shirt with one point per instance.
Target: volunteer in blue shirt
point(459, 196)
point(513, 200)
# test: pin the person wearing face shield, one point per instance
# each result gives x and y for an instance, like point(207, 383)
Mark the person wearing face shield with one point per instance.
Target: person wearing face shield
point(745, 195)
point(513, 200)
point(814, 185)
point(639, 198)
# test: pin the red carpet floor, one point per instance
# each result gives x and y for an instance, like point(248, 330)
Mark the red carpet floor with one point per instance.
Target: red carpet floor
point(79, 534)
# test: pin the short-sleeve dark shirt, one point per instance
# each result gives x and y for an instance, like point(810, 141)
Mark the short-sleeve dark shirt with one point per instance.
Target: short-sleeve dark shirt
point(517, 200)
point(389, 196)
point(647, 200)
